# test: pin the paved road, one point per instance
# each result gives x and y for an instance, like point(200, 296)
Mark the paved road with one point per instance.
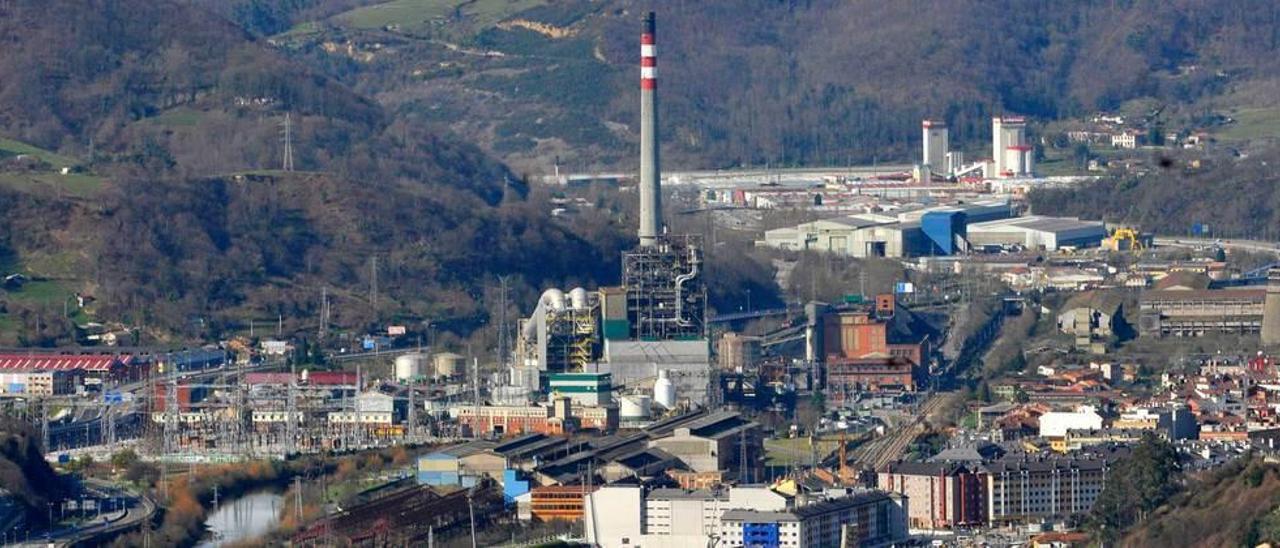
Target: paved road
point(131, 517)
point(726, 176)
point(1247, 245)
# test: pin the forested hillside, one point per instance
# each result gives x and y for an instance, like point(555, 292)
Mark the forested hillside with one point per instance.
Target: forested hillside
point(814, 81)
point(140, 164)
point(142, 143)
point(1234, 197)
point(1238, 505)
point(23, 471)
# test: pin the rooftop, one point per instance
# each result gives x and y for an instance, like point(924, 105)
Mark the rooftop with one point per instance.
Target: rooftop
point(38, 361)
point(464, 449)
point(686, 494)
point(1037, 222)
point(719, 424)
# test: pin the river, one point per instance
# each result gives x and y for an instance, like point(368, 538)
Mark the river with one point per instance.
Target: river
point(250, 516)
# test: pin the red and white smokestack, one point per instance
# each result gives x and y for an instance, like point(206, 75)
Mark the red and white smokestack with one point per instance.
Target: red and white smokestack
point(650, 178)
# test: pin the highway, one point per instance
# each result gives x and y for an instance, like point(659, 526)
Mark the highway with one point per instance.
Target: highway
point(136, 510)
point(1245, 245)
point(732, 177)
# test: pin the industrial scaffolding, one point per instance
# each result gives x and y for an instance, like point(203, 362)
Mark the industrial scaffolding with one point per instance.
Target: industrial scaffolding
point(666, 296)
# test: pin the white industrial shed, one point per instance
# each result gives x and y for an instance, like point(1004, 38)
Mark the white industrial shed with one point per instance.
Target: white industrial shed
point(1037, 232)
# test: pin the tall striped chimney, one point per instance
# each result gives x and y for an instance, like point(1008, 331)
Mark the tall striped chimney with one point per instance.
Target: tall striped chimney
point(650, 190)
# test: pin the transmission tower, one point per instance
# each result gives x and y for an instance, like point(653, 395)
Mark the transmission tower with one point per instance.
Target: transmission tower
point(288, 143)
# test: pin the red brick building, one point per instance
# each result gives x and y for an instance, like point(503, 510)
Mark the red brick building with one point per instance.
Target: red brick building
point(942, 495)
point(847, 377)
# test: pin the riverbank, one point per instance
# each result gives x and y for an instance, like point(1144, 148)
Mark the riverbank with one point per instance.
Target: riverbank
point(187, 495)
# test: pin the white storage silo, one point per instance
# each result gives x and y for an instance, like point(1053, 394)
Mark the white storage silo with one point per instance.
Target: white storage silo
point(664, 392)
point(411, 366)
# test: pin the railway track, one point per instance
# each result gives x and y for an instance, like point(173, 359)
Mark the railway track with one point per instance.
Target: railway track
point(883, 450)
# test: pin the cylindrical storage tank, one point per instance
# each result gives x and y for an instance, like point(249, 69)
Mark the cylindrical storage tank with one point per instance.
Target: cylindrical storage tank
point(664, 392)
point(578, 298)
point(1028, 162)
point(448, 364)
point(635, 407)
point(410, 366)
point(554, 299)
point(304, 376)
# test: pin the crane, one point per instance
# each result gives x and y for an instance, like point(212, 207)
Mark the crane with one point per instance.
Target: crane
point(1124, 239)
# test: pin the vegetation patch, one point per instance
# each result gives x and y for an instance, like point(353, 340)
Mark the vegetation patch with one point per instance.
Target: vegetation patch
point(10, 147)
point(1250, 124)
point(77, 185)
point(448, 17)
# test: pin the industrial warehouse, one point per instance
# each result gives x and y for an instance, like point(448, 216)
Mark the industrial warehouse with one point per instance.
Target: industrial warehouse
point(943, 230)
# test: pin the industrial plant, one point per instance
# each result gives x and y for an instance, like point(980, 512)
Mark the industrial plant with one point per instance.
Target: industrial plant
point(645, 339)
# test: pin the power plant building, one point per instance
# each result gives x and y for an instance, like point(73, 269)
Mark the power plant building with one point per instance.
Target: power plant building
point(654, 322)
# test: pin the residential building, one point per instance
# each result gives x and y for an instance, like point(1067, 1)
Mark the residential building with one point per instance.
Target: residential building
point(1076, 440)
point(1021, 489)
point(626, 515)
point(942, 495)
point(868, 518)
point(633, 516)
point(1055, 424)
point(1125, 139)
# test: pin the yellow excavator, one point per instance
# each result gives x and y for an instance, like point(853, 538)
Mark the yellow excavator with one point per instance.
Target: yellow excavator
point(1124, 239)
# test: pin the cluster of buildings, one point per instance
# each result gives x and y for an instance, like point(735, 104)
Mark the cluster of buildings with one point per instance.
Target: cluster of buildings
point(694, 449)
point(748, 515)
point(46, 374)
point(644, 339)
point(982, 225)
point(878, 347)
point(963, 489)
point(1178, 304)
